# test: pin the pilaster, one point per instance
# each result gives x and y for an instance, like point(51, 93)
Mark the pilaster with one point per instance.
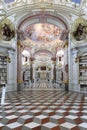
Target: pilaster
point(19, 66)
point(11, 71)
point(75, 70)
point(65, 69)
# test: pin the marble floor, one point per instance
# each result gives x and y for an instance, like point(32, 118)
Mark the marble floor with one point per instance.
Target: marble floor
point(44, 109)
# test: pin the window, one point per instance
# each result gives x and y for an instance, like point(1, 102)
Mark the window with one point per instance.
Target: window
point(76, 1)
point(9, 1)
point(43, 67)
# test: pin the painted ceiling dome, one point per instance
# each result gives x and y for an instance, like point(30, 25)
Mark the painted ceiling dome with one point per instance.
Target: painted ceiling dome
point(43, 32)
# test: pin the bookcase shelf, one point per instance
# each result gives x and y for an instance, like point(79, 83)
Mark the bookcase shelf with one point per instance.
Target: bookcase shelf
point(3, 70)
point(83, 73)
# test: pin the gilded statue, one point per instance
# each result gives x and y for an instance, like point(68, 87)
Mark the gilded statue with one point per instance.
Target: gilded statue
point(80, 32)
point(7, 33)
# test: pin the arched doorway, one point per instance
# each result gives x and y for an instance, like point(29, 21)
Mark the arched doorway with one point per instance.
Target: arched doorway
point(45, 42)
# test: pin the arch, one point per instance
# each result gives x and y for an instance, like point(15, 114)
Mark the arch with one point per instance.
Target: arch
point(44, 17)
point(43, 51)
point(27, 49)
point(49, 18)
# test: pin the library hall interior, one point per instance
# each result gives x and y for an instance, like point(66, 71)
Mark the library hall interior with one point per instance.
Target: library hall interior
point(43, 64)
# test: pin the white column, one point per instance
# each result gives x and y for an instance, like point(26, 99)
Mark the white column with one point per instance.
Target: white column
point(65, 68)
point(75, 70)
point(52, 72)
point(12, 71)
point(69, 63)
point(65, 64)
point(33, 67)
point(3, 95)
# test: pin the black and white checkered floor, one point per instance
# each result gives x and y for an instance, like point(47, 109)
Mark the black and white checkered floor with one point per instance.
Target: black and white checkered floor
point(49, 109)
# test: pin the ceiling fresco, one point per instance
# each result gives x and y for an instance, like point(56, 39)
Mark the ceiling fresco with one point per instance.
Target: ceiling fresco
point(43, 32)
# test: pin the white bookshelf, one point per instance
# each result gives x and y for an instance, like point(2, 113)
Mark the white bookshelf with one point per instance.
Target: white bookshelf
point(83, 73)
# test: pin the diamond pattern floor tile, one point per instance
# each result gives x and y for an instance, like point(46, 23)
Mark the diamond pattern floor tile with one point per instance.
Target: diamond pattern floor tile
point(83, 126)
point(32, 126)
point(50, 109)
point(50, 126)
point(41, 119)
point(68, 126)
point(25, 119)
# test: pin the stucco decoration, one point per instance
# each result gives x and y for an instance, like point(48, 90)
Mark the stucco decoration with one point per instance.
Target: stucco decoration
point(7, 30)
point(79, 30)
